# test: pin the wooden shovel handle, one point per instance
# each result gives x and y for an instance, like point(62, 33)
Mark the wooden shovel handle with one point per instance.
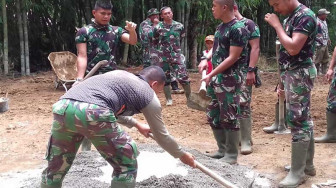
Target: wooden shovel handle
point(203, 84)
point(208, 172)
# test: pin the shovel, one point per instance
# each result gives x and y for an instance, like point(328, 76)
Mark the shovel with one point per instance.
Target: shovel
point(199, 101)
point(95, 68)
point(209, 172)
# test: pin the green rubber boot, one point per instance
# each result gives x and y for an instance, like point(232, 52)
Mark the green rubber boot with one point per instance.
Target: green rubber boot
point(310, 168)
point(219, 135)
point(245, 136)
point(275, 125)
point(43, 185)
point(330, 136)
point(120, 184)
point(187, 90)
point(296, 175)
point(86, 144)
point(167, 92)
point(231, 147)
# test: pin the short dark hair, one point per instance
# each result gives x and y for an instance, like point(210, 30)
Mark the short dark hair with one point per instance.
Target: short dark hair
point(164, 8)
point(103, 4)
point(229, 3)
point(153, 73)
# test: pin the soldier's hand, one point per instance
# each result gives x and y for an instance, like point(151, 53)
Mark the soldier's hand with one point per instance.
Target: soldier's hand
point(202, 66)
point(250, 78)
point(207, 79)
point(281, 92)
point(188, 159)
point(329, 75)
point(143, 128)
point(130, 26)
point(156, 21)
point(273, 20)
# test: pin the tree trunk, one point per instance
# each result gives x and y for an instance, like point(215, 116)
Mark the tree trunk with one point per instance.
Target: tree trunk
point(87, 13)
point(5, 42)
point(186, 26)
point(129, 12)
point(193, 54)
point(26, 41)
point(20, 27)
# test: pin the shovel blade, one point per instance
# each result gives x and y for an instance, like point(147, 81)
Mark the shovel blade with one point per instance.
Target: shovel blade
point(198, 101)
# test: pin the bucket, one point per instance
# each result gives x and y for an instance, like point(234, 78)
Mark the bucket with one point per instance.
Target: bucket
point(3, 104)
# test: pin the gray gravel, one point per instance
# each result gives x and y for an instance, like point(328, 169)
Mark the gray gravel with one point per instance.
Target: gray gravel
point(86, 169)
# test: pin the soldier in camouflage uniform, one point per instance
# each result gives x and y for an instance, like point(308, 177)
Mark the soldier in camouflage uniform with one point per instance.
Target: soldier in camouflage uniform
point(168, 35)
point(248, 73)
point(229, 54)
point(99, 41)
point(297, 71)
point(93, 108)
point(146, 34)
point(330, 136)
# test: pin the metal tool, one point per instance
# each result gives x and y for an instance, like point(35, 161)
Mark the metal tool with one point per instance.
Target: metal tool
point(199, 101)
point(95, 68)
point(209, 172)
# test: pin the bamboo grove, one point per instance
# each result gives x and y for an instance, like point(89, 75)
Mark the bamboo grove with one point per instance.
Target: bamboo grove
point(31, 29)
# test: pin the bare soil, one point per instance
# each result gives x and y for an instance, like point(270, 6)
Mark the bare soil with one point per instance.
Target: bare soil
point(25, 128)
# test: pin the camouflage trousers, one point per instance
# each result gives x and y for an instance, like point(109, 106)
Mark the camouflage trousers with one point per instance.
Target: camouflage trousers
point(245, 97)
point(146, 57)
point(331, 99)
point(224, 108)
point(172, 66)
point(298, 84)
point(72, 121)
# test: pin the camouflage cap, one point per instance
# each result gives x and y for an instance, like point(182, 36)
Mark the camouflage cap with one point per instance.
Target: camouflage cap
point(323, 11)
point(152, 11)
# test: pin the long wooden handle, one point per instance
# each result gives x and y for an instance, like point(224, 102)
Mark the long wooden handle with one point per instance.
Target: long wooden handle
point(203, 84)
point(213, 175)
point(95, 68)
point(209, 172)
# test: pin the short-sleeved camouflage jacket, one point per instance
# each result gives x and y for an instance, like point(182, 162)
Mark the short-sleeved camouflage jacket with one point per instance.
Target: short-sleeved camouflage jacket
point(254, 34)
point(229, 34)
point(168, 38)
point(302, 20)
point(102, 43)
point(146, 33)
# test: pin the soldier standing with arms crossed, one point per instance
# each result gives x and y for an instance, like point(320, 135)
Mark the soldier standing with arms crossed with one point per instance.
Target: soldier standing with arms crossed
point(228, 55)
point(298, 72)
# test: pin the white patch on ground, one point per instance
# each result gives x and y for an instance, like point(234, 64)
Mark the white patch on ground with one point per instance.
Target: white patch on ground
point(262, 182)
point(17, 179)
point(150, 164)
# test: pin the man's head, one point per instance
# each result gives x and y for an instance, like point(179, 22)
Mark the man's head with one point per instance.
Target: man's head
point(209, 40)
point(323, 13)
point(220, 8)
point(153, 14)
point(283, 7)
point(102, 12)
point(155, 77)
point(166, 14)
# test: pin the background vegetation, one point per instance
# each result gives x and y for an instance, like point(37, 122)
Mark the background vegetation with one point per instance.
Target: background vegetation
point(31, 29)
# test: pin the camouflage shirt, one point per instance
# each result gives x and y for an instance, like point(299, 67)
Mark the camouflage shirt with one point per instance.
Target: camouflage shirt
point(302, 20)
point(168, 38)
point(229, 34)
point(254, 34)
point(322, 34)
point(146, 33)
point(102, 43)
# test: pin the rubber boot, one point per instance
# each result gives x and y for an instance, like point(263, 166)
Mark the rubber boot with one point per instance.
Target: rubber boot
point(324, 67)
point(310, 168)
point(330, 136)
point(245, 135)
point(275, 125)
point(296, 175)
point(122, 184)
point(86, 145)
point(168, 96)
point(231, 147)
point(175, 88)
point(187, 90)
point(318, 69)
point(220, 138)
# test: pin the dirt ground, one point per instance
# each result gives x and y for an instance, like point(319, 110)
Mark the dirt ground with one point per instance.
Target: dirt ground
point(25, 128)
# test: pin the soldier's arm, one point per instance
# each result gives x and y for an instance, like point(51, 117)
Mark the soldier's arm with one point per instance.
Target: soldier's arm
point(254, 56)
point(131, 37)
point(330, 72)
point(81, 59)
